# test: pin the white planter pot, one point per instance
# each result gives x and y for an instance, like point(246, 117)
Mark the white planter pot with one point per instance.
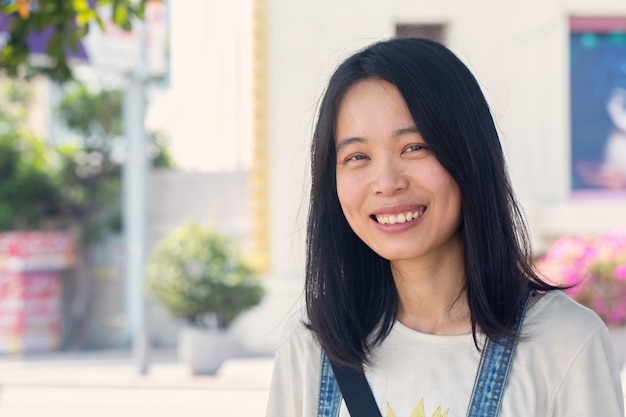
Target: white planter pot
point(204, 350)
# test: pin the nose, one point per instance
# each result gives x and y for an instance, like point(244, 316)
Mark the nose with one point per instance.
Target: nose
point(390, 178)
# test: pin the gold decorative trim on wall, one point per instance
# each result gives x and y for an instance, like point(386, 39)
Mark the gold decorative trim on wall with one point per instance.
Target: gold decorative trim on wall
point(260, 199)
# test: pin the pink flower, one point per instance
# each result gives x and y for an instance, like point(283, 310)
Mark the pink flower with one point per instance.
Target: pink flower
point(596, 266)
point(568, 248)
point(616, 316)
point(620, 272)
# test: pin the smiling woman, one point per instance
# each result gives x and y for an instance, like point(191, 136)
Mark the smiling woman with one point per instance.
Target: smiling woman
point(419, 279)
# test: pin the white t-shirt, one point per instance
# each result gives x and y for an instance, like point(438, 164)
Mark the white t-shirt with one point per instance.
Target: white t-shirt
point(564, 366)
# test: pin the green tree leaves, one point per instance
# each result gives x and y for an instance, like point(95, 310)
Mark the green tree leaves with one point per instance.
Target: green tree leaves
point(69, 22)
point(29, 192)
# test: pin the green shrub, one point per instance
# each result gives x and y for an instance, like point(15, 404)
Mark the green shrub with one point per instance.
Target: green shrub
point(195, 273)
point(29, 192)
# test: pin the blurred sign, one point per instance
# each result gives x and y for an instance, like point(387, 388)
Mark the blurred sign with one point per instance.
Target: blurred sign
point(30, 289)
point(30, 311)
point(36, 251)
point(598, 106)
point(119, 50)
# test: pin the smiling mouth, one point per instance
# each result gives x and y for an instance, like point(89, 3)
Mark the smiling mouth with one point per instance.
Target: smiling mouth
point(398, 218)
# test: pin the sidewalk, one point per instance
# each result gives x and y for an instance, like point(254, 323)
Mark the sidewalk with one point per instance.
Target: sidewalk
point(118, 369)
point(107, 383)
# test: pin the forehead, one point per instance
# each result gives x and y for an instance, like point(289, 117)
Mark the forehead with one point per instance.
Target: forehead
point(372, 106)
point(372, 88)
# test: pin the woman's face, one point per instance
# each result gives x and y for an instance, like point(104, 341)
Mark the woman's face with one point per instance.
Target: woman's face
point(395, 194)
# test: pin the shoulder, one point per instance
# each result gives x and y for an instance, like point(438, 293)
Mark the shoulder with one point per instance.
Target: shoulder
point(297, 371)
point(558, 315)
point(566, 354)
point(297, 341)
point(561, 331)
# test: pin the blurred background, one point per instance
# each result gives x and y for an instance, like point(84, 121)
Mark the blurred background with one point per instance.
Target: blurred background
point(154, 168)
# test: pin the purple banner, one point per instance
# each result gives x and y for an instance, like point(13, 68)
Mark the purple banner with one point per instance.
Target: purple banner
point(37, 41)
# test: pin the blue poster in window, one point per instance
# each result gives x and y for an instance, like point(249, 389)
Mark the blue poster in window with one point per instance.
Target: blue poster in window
point(598, 110)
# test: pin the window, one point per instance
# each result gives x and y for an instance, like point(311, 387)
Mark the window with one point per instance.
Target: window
point(598, 104)
point(434, 32)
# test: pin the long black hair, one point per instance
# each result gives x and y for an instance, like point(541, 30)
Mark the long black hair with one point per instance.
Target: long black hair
point(350, 292)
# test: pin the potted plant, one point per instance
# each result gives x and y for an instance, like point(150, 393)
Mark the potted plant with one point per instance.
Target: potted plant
point(199, 275)
point(595, 266)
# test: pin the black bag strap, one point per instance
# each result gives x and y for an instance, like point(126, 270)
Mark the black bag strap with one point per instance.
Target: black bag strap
point(356, 391)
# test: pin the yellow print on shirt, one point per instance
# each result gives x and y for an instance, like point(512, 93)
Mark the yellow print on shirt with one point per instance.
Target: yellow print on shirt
point(419, 411)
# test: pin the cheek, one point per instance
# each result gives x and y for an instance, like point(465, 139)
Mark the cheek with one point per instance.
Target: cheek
point(455, 202)
point(449, 192)
point(348, 199)
point(345, 197)
point(343, 189)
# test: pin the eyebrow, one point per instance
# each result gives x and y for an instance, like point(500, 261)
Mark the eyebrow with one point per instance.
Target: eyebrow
point(348, 141)
point(406, 131)
point(400, 132)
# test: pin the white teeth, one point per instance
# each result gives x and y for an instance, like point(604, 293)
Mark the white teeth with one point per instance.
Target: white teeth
point(400, 218)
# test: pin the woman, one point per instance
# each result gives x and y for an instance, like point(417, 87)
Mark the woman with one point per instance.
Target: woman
point(418, 256)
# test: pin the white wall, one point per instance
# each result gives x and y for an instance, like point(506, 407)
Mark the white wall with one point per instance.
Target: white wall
point(207, 110)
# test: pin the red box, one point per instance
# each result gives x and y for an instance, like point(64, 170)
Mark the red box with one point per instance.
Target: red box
point(36, 251)
point(30, 311)
point(30, 289)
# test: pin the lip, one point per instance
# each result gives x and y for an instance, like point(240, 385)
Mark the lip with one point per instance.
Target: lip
point(398, 209)
point(395, 211)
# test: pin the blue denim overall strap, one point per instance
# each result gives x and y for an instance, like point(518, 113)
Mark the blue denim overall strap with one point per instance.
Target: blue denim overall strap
point(494, 369)
point(330, 395)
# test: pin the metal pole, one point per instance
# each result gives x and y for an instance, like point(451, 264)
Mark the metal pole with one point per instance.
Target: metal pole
point(136, 170)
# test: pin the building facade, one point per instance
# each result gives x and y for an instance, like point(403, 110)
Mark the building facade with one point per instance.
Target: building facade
point(522, 53)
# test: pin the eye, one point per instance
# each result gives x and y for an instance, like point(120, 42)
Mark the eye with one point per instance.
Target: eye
point(356, 157)
point(415, 147)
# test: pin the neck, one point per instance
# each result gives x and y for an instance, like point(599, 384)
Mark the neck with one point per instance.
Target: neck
point(431, 294)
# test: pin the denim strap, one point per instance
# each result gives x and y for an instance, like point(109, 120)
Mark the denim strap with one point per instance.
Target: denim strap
point(494, 369)
point(330, 395)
